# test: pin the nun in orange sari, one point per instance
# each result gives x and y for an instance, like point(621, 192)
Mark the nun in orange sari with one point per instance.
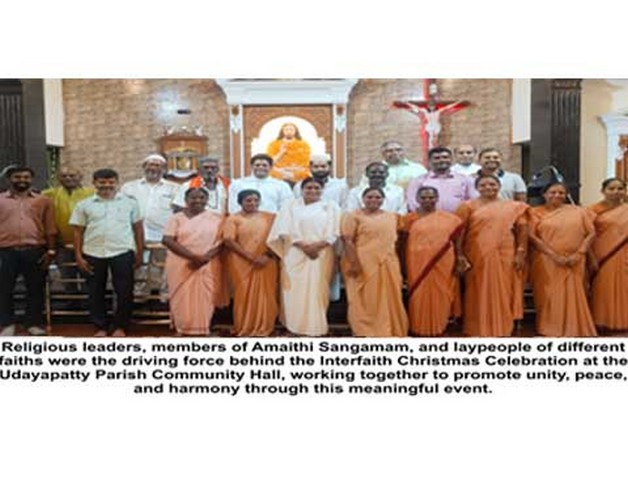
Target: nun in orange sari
point(252, 268)
point(610, 251)
point(491, 254)
point(371, 269)
point(193, 268)
point(430, 262)
point(561, 235)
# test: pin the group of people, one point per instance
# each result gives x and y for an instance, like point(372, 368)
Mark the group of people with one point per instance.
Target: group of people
point(459, 237)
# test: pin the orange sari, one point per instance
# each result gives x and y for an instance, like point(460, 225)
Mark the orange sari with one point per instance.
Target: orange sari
point(194, 292)
point(560, 299)
point(493, 288)
point(255, 306)
point(430, 258)
point(610, 284)
point(374, 296)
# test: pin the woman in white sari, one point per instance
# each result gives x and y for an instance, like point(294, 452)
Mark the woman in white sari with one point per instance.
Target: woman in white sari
point(303, 236)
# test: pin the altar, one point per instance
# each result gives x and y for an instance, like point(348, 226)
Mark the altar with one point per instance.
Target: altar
point(258, 108)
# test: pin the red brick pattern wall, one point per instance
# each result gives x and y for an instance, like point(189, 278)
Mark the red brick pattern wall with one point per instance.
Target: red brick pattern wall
point(486, 122)
point(371, 119)
point(116, 123)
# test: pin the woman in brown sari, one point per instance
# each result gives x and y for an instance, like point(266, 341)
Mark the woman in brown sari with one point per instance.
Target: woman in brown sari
point(610, 251)
point(193, 268)
point(561, 235)
point(430, 263)
point(491, 253)
point(251, 267)
point(372, 271)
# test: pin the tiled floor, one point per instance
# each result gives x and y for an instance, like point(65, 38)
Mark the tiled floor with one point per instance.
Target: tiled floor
point(78, 326)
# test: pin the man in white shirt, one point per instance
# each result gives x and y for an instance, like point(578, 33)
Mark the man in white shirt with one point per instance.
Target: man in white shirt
point(274, 192)
point(154, 196)
point(208, 178)
point(377, 174)
point(465, 155)
point(512, 185)
point(108, 235)
point(400, 170)
point(335, 189)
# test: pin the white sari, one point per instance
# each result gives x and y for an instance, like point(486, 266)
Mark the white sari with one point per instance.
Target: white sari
point(305, 282)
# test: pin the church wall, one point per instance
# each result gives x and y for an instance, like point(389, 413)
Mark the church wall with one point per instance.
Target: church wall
point(116, 123)
point(599, 97)
point(486, 123)
point(371, 121)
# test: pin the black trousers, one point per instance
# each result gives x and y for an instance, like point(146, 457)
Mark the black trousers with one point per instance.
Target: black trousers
point(26, 262)
point(121, 267)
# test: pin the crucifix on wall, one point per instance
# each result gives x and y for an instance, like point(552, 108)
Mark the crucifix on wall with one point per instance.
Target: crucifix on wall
point(429, 112)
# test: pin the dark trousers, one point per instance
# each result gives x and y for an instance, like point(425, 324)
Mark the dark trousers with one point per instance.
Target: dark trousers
point(24, 261)
point(121, 267)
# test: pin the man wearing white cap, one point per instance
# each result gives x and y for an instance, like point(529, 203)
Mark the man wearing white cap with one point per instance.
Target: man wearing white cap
point(154, 196)
point(335, 189)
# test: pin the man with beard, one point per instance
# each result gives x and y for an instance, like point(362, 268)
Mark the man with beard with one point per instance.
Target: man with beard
point(65, 198)
point(27, 245)
point(453, 188)
point(512, 185)
point(274, 192)
point(335, 189)
point(108, 235)
point(154, 196)
point(208, 178)
point(377, 175)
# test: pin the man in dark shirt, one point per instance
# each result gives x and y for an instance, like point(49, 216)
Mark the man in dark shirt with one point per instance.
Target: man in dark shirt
point(27, 245)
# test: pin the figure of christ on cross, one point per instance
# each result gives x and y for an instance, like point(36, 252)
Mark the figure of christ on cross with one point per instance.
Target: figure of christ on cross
point(429, 112)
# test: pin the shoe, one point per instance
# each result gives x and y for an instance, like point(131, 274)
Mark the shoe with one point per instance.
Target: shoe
point(100, 333)
point(118, 332)
point(8, 331)
point(36, 331)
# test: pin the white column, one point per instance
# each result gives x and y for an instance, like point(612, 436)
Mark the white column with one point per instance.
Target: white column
point(53, 111)
point(616, 124)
